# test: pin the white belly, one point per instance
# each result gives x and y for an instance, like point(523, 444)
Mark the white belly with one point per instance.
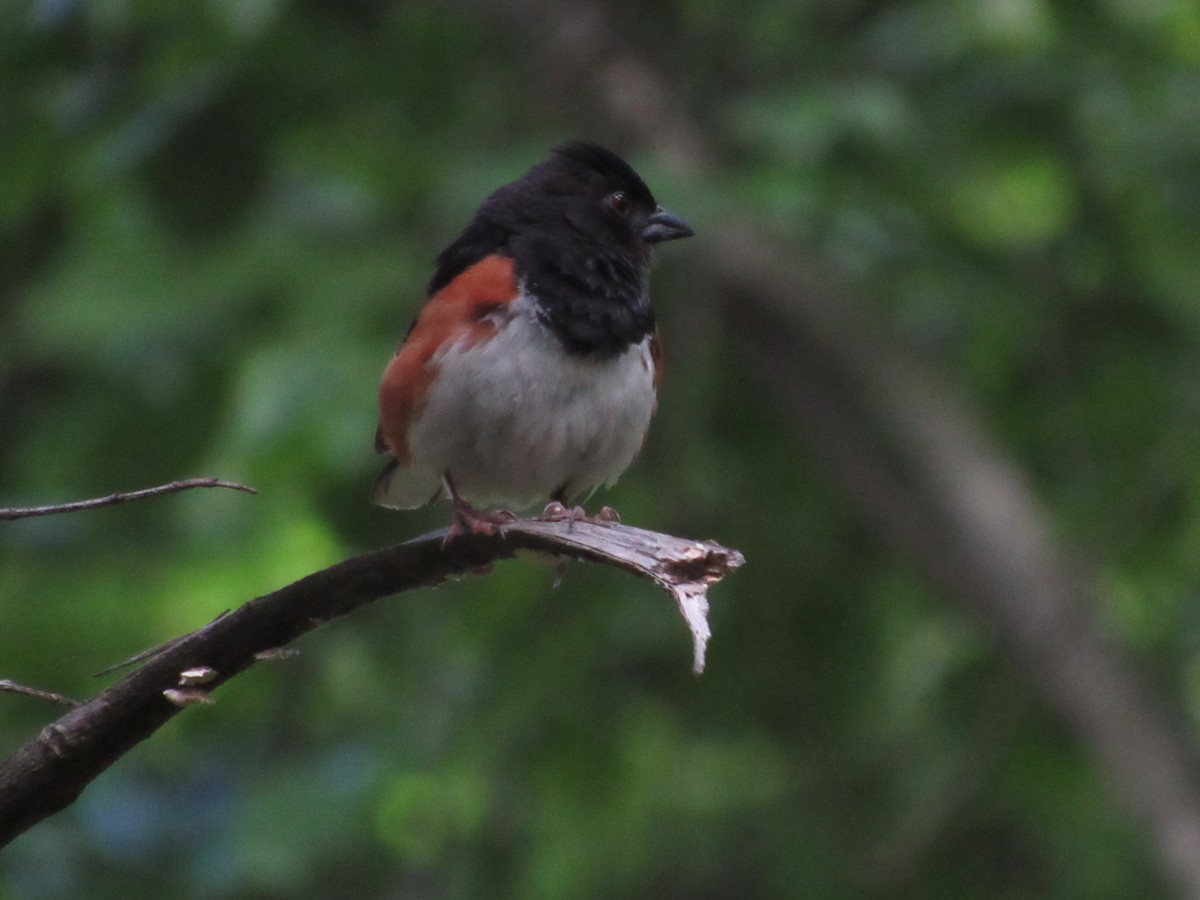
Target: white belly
point(515, 418)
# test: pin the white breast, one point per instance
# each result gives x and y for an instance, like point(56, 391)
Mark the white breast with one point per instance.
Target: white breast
point(515, 418)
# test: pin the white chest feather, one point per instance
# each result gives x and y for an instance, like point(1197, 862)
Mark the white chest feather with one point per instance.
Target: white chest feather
point(515, 418)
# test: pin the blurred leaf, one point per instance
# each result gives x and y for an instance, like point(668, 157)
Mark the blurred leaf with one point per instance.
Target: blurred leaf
point(1012, 203)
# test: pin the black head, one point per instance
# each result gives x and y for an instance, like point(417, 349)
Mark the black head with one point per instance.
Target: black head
point(581, 226)
point(601, 197)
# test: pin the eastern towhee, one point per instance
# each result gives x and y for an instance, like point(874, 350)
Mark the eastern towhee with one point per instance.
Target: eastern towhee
point(532, 370)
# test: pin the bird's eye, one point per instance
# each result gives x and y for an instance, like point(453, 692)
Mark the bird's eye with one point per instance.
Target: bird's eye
point(618, 202)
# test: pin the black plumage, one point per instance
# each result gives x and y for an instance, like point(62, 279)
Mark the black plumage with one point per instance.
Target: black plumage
point(576, 226)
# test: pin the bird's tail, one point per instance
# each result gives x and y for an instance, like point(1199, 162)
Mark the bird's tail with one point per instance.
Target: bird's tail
point(398, 487)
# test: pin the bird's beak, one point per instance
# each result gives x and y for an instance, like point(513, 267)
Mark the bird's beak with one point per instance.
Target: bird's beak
point(665, 226)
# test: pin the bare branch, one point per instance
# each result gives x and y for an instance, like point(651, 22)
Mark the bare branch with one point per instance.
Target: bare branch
point(49, 772)
point(143, 655)
point(12, 687)
point(28, 512)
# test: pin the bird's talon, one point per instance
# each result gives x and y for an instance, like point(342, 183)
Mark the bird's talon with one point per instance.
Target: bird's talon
point(609, 515)
point(557, 512)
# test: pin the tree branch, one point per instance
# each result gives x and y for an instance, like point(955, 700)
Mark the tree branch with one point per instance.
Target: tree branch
point(48, 773)
point(11, 687)
point(28, 512)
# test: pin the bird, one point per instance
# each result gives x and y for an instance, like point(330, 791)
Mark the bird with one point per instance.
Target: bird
point(531, 372)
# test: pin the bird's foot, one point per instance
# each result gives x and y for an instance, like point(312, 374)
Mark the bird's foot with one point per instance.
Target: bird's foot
point(469, 520)
point(609, 515)
point(555, 511)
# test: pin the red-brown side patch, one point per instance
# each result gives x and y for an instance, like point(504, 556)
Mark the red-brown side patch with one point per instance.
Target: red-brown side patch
point(457, 313)
point(656, 361)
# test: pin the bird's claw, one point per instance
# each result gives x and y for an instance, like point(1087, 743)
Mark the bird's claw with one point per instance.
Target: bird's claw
point(557, 512)
point(468, 520)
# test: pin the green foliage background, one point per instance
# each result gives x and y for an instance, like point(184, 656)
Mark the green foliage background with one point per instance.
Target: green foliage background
point(215, 222)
